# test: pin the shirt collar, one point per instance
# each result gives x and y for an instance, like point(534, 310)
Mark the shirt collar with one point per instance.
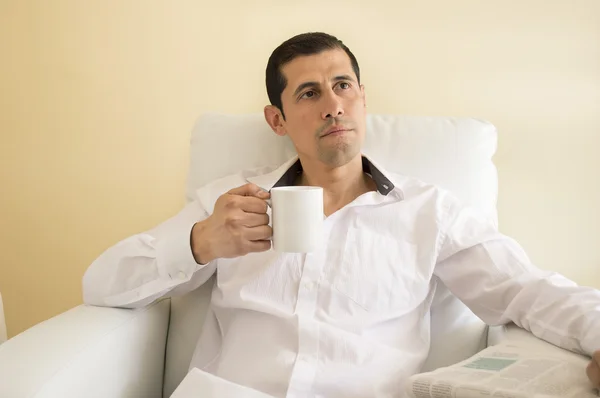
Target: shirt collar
point(287, 174)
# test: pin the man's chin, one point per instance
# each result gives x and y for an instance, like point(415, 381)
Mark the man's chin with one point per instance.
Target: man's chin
point(340, 155)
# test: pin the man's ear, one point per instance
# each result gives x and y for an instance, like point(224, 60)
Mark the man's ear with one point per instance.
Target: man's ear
point(275, 119)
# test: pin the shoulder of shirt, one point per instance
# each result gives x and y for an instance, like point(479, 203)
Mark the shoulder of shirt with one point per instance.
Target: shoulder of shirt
point(445, 202)
point(435, 200)
point(208, 194)
point(410, 186)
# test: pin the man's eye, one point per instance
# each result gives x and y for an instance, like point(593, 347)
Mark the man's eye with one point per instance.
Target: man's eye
point(344, 85)
point(308, 94)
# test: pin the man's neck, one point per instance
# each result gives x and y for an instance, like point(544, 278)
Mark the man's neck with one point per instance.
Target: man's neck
point(341, 185)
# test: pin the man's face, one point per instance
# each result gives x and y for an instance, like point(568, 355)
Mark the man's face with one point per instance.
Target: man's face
point(324, 108)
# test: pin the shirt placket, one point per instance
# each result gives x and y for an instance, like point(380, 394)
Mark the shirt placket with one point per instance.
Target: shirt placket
point(304, 372)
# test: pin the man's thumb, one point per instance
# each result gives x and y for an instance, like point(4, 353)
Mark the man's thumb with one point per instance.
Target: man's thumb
point(249, 189)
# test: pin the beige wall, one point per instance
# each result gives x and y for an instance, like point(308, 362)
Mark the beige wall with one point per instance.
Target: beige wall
point(97, 99)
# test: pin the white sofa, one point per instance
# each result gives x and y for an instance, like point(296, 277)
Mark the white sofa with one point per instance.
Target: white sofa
point(104, 352)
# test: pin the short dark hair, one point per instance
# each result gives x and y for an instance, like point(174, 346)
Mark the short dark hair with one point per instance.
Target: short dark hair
point(303, 44)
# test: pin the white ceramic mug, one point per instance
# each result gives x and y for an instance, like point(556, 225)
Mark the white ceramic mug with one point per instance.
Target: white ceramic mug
point(297, 218)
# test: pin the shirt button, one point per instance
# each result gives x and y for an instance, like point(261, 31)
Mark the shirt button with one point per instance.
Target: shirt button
point(181, 275)
point(309, 285)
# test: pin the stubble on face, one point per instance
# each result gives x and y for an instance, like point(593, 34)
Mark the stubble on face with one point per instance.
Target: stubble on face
point(336, 151)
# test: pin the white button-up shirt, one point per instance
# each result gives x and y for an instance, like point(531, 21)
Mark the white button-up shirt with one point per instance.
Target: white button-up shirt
point(351, 320)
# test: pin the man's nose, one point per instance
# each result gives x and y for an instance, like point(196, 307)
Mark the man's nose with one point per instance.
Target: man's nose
point(332, 106)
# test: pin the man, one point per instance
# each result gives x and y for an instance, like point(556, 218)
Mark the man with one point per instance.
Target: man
point(351, 319)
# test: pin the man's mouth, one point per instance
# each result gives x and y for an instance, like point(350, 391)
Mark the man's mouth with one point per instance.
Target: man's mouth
point(335, 131)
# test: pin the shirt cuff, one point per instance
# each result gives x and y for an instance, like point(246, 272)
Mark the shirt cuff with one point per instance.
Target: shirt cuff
point(174, 256)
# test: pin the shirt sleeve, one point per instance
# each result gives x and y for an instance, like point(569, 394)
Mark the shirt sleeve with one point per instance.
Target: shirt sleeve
point(147, 266)
point(493, 276)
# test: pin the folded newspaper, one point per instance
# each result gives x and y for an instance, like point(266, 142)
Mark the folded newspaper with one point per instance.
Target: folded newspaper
point(508, 370)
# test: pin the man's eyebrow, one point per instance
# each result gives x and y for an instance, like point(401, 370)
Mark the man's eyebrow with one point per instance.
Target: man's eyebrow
point(343, 77)
point(315, 84)
point(305, 85)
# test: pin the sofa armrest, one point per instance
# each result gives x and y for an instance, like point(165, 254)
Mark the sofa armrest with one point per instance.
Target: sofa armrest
point(88, 352)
